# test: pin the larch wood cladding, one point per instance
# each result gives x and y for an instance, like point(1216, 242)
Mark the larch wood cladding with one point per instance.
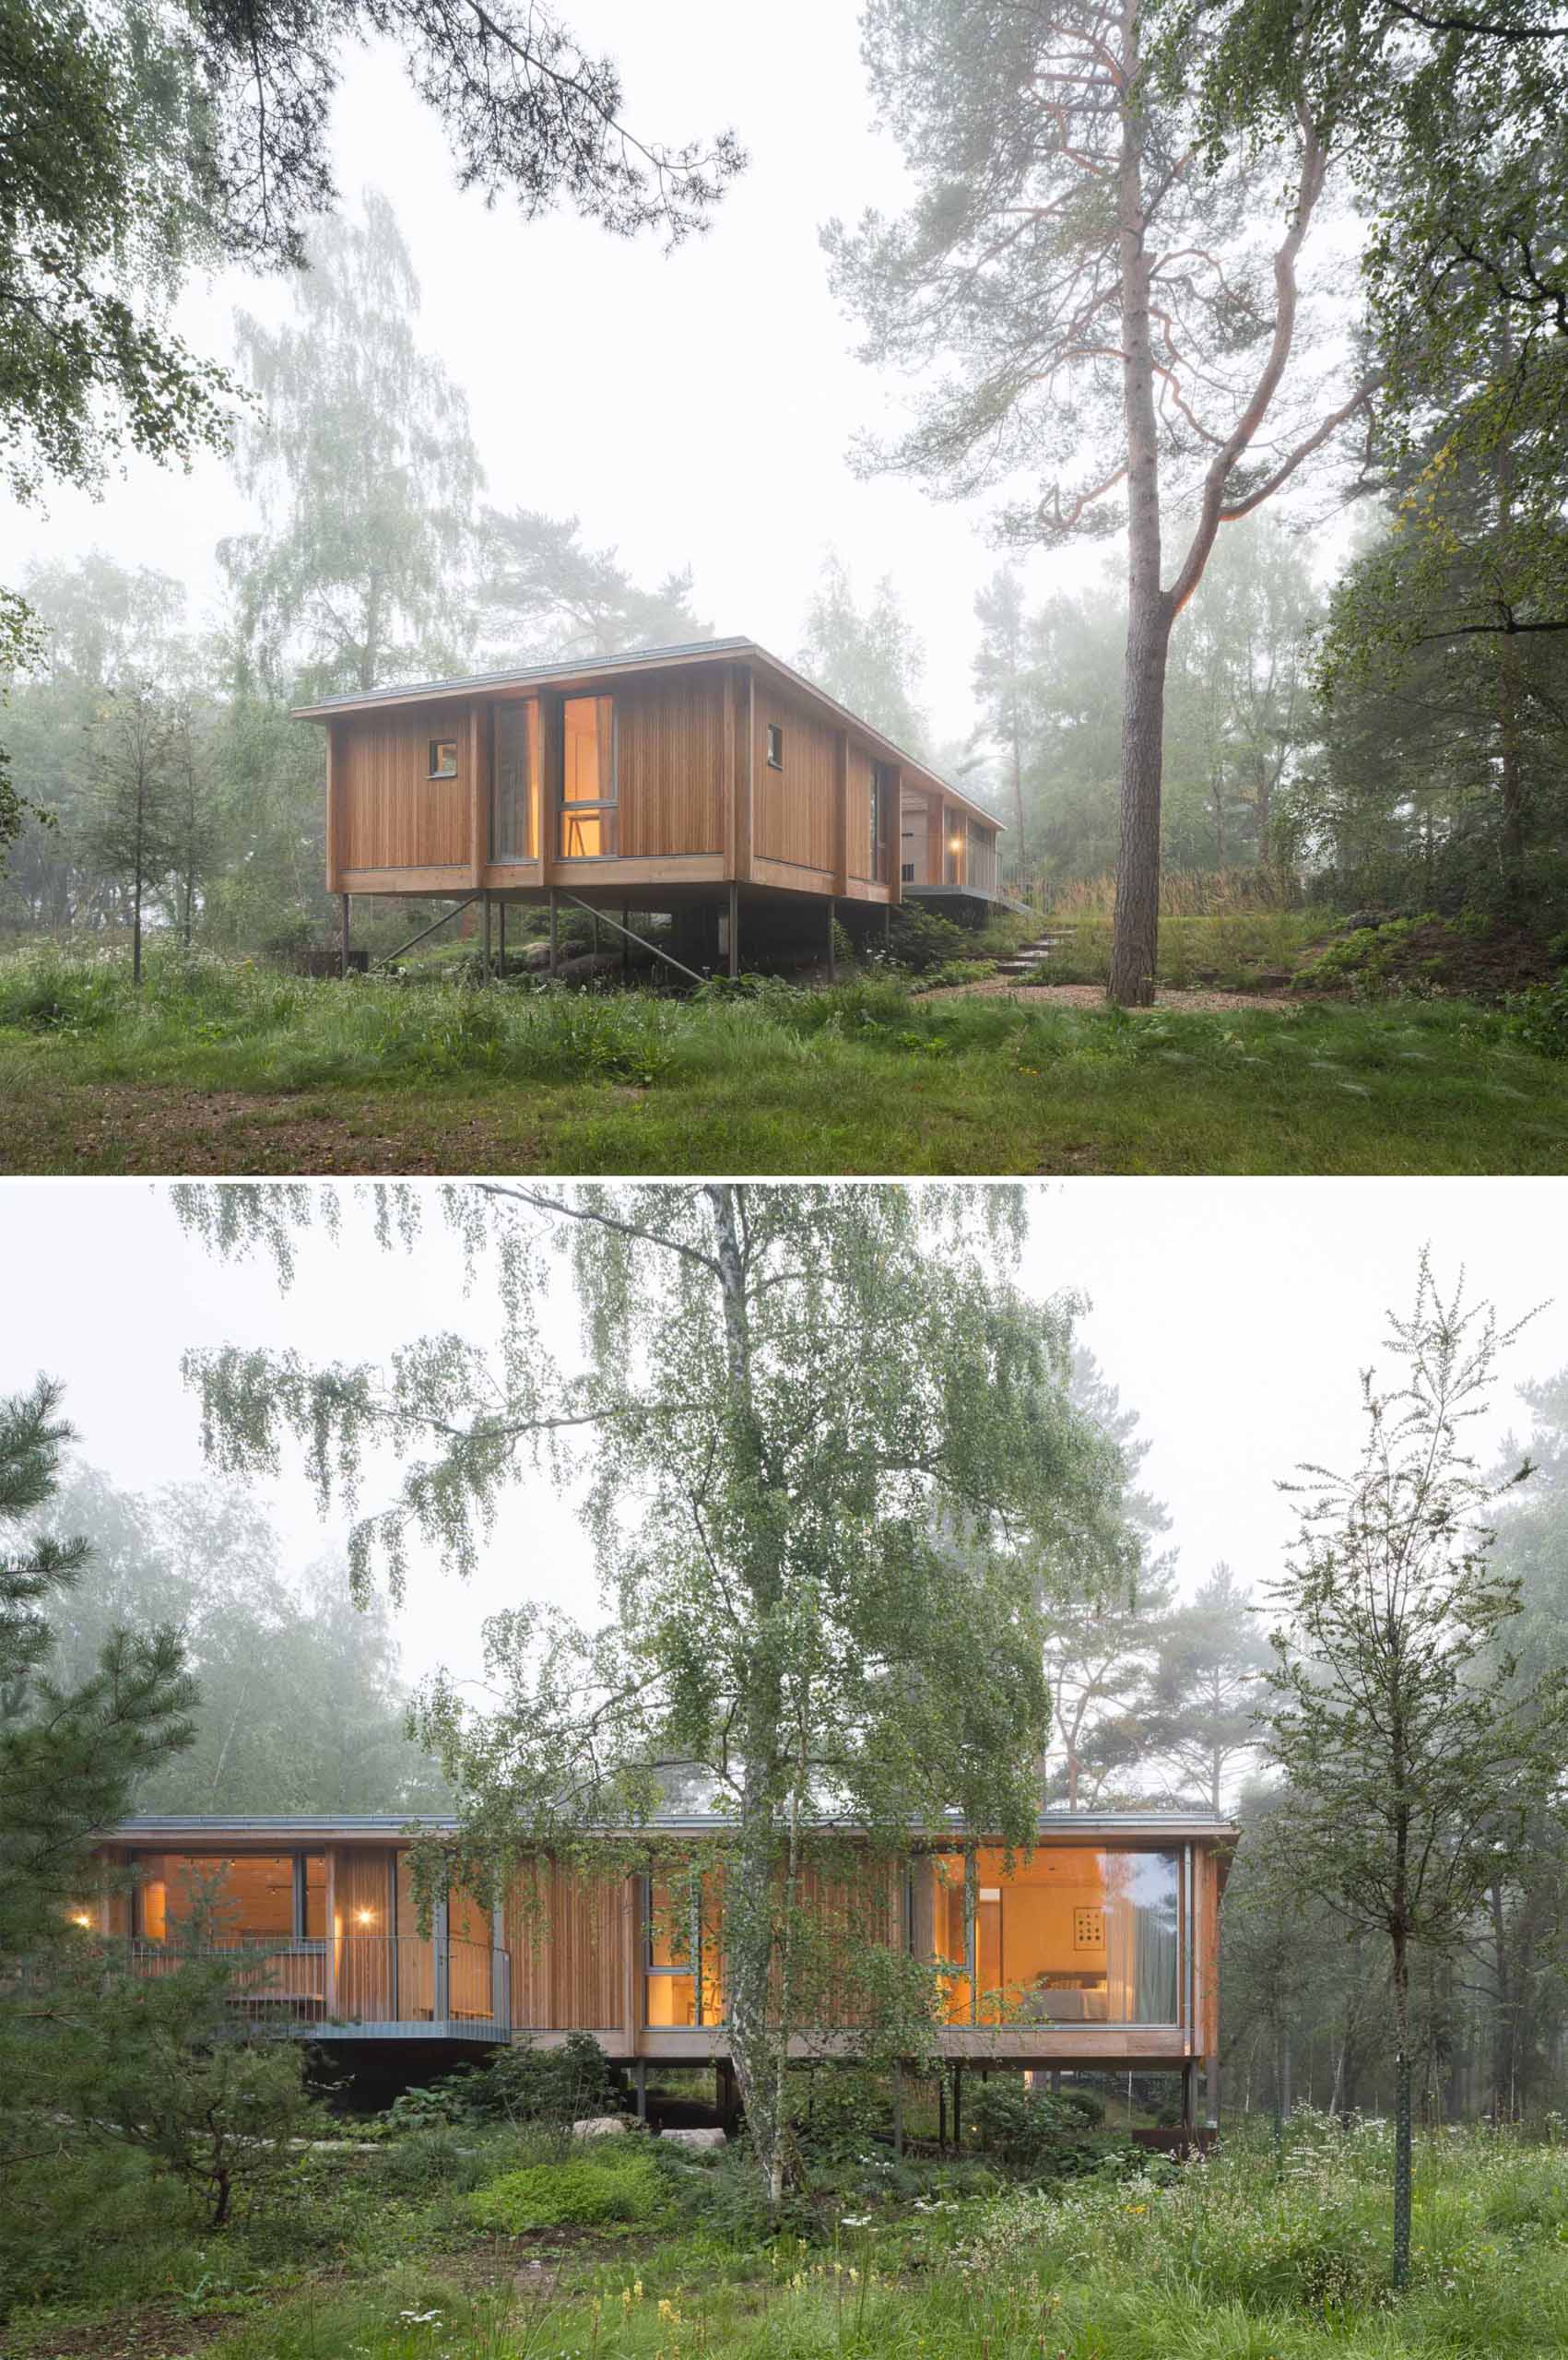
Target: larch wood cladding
point(566, 1935)
point(794, 809)
point(391, 814)
point(364, 1984)
point(671, 760)
point(416, 1954)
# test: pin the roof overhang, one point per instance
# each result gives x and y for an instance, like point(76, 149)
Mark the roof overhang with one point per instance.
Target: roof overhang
point(209, 1828)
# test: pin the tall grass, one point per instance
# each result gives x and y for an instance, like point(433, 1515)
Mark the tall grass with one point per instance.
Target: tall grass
point(1260, 2253)
point(1183, 893)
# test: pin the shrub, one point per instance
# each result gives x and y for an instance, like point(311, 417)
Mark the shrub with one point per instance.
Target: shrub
point(1538, 1018)
point(521, 2083)
point(618, 2182)
point(919, 937)
point(1033, 2133)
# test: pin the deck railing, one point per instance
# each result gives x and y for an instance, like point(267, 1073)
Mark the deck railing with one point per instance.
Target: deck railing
point(405, 1979)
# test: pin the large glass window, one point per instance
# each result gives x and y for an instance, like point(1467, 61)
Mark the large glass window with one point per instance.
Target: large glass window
point(683, 1978)
point(589, 779)
point(256, 1898)
point(514, 796)
point(1070, 1936)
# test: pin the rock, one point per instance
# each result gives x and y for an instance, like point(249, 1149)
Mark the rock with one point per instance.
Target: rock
point(599, 2126)
point(694, 2138)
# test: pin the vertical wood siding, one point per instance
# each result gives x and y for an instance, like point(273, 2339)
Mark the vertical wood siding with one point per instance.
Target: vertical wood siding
point(566, 1935)
point(794, 809)
point(391, 814)
point(671, 762)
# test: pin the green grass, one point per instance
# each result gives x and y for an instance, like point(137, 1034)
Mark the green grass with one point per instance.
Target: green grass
point(1231, 952)
point(1247, 2256)
point(235, 1069)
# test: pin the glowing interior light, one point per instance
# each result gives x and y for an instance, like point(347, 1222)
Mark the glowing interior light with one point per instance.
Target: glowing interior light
point(365, 1917)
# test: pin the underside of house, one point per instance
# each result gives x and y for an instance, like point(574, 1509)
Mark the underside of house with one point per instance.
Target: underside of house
point(711, 778)
point(1099, 1948)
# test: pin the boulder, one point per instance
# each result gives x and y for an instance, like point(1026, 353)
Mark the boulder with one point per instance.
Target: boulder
point(694, 2138)
point(599, 2126)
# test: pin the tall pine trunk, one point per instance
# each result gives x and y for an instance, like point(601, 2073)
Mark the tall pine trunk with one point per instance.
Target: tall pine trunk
point(1134, 934)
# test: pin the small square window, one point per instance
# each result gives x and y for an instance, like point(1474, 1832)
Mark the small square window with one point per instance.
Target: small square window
point(444, 758)
point(776, 746)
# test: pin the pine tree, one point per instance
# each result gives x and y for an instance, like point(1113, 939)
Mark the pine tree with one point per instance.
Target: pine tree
point(69, 1756)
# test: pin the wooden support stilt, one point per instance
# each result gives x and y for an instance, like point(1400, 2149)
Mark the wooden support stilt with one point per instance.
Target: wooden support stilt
point(941, 2113)
point(734, 931)
point(958, 2106)
point(501, 921)
point(640, 2083)
point(626, 939)
point(484, 958)
point(554, 935)
point(1189, 2094)
point(833, 945)
point(343, 900)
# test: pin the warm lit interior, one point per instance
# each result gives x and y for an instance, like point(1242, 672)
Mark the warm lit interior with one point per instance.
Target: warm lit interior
point(588, 778)
point(514, 803)
point(683, 1949)
point(248, 1898)
point(1070, 1935)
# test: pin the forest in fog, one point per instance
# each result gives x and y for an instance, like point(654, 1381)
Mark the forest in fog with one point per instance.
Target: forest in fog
point(1159, 1698)
point(150, 742)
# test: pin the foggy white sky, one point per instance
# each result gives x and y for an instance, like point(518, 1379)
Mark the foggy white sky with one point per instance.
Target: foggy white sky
point(1234, 1316)
point(696, 408)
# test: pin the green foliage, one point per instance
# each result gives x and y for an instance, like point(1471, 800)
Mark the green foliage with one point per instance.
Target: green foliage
point(1538, 1018)
point(893, 1476)
point(1041, 2136)
point(920, 938)
point(872, 662)
point(548, 599)
point(521, 2083)
point(612, 2180)
point(1415, 1763)
point(70, 1755)
point(156, 2065)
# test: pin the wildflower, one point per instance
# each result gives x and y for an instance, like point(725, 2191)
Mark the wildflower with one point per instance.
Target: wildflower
point(669, 2313)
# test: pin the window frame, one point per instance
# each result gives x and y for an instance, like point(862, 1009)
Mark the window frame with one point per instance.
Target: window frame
point(297, 1939)
point(435, 745)
point(773, 745)
point(580, 805)
point(694, 1970)
point(533, 788)
point(1186, 1930)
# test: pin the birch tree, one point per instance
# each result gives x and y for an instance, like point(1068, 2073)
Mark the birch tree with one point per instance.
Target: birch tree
point(829, 1454)
point(1414, 1756)
point(1120, 309)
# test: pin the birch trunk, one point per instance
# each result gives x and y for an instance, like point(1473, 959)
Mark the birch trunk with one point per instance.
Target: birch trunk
point(756, 2051)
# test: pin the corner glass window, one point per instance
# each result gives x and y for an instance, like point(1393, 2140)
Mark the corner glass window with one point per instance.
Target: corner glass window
point(588, 793)
point(1071, 1936)
point(444, 758)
